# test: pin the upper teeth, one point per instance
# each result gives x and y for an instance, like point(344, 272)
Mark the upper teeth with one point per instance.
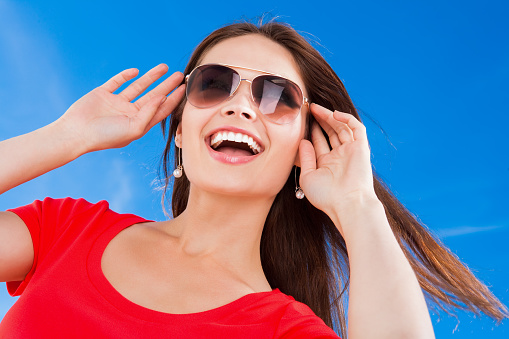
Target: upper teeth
point(218, 137)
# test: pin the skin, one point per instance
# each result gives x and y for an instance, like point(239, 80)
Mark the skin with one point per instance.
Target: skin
point(209, 255)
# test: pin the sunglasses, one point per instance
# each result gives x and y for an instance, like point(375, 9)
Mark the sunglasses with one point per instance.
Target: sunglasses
point(279, 99)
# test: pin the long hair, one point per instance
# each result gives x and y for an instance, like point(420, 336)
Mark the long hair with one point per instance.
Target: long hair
point(302, 252)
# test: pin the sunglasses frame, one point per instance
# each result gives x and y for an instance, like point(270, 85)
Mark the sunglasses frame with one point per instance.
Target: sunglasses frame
point(305, 101)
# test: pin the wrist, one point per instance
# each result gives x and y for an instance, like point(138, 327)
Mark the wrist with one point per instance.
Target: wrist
point(358, 213)
point(67, 138)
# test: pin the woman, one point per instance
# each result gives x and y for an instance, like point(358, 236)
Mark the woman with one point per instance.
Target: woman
point(259, 104)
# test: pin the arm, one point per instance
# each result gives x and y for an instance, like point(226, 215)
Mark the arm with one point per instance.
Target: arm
point(385, 299)
point(36, 153)
point(99, 120)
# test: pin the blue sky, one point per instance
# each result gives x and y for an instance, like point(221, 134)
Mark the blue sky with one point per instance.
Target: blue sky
point(434, 74)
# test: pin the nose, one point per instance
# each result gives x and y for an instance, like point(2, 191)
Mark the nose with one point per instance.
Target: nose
point(241, 103)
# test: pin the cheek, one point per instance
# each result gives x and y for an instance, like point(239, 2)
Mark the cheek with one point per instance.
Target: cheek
point(291, 135)
point(191, 127)
point(285, 143)
point(192, 122)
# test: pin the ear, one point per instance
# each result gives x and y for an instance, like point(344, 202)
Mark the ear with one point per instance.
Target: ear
point(297, 159)
point(178, 136)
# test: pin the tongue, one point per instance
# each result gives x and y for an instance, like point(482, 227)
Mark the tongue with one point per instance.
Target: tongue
point(233, 151)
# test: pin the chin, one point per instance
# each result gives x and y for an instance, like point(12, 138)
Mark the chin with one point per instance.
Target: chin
point(242, 188)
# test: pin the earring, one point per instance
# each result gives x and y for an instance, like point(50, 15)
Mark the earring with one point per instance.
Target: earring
point(299, 193)
point(177, 173)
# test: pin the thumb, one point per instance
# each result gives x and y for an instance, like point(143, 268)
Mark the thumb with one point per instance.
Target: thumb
point(168, 106)
point(307, 157)
point(147, 111)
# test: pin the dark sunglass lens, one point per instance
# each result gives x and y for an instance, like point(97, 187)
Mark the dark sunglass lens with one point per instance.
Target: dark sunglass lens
point(278, 99)
point(209, 85)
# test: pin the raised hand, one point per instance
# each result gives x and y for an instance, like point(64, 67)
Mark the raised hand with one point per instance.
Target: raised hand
point(102, 120)
point(331, 178)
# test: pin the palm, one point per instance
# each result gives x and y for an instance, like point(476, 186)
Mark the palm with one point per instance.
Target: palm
point(104, 120)
point(106, 116)
point(336, 175)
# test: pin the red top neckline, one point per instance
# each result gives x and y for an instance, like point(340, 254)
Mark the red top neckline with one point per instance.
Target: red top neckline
point(111, 295)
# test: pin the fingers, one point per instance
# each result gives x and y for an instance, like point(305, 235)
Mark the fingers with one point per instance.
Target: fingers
point(337, 131)
point(343, 125)
point(167, 106)
point(140, 85)
point(357, 127)
point(307, 157)
point(320, 144)
point(323, 118)
point(118, 80)
point(146, 114)
point(164, 88)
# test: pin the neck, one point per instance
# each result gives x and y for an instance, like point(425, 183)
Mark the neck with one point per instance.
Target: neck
point(224, 228)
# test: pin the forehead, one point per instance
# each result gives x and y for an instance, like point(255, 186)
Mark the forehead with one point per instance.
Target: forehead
point(257, 52)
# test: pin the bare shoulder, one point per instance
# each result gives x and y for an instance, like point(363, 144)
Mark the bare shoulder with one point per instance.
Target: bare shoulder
point(137, 239)
point(147, 231)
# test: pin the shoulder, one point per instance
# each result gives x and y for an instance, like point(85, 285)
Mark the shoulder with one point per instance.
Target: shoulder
point(50, 217)
point(299, 321)
point(63, 208)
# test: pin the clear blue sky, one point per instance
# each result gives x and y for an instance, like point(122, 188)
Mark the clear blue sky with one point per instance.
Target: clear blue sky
point(434, 74)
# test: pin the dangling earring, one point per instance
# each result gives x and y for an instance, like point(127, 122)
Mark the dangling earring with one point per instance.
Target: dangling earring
point(177, 173)
point(299, 193)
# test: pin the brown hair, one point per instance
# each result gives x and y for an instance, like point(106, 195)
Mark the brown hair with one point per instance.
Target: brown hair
point(302, 252)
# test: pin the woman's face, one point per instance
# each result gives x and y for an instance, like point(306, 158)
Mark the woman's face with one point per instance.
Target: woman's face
point(227, 170)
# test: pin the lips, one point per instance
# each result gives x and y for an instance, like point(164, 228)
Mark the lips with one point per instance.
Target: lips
point(233, 145)
point(234, 141)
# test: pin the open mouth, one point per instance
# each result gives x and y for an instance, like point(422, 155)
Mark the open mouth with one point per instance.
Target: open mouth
point(234, 144)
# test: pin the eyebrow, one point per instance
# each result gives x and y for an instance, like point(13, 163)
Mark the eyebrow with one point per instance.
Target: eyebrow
point(241, 67)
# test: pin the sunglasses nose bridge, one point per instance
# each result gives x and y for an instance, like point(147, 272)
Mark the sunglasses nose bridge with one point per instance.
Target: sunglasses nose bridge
point(250, 84)
point(240, 104)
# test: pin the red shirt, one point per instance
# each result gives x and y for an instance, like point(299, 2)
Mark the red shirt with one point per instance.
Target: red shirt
point(66, 295)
